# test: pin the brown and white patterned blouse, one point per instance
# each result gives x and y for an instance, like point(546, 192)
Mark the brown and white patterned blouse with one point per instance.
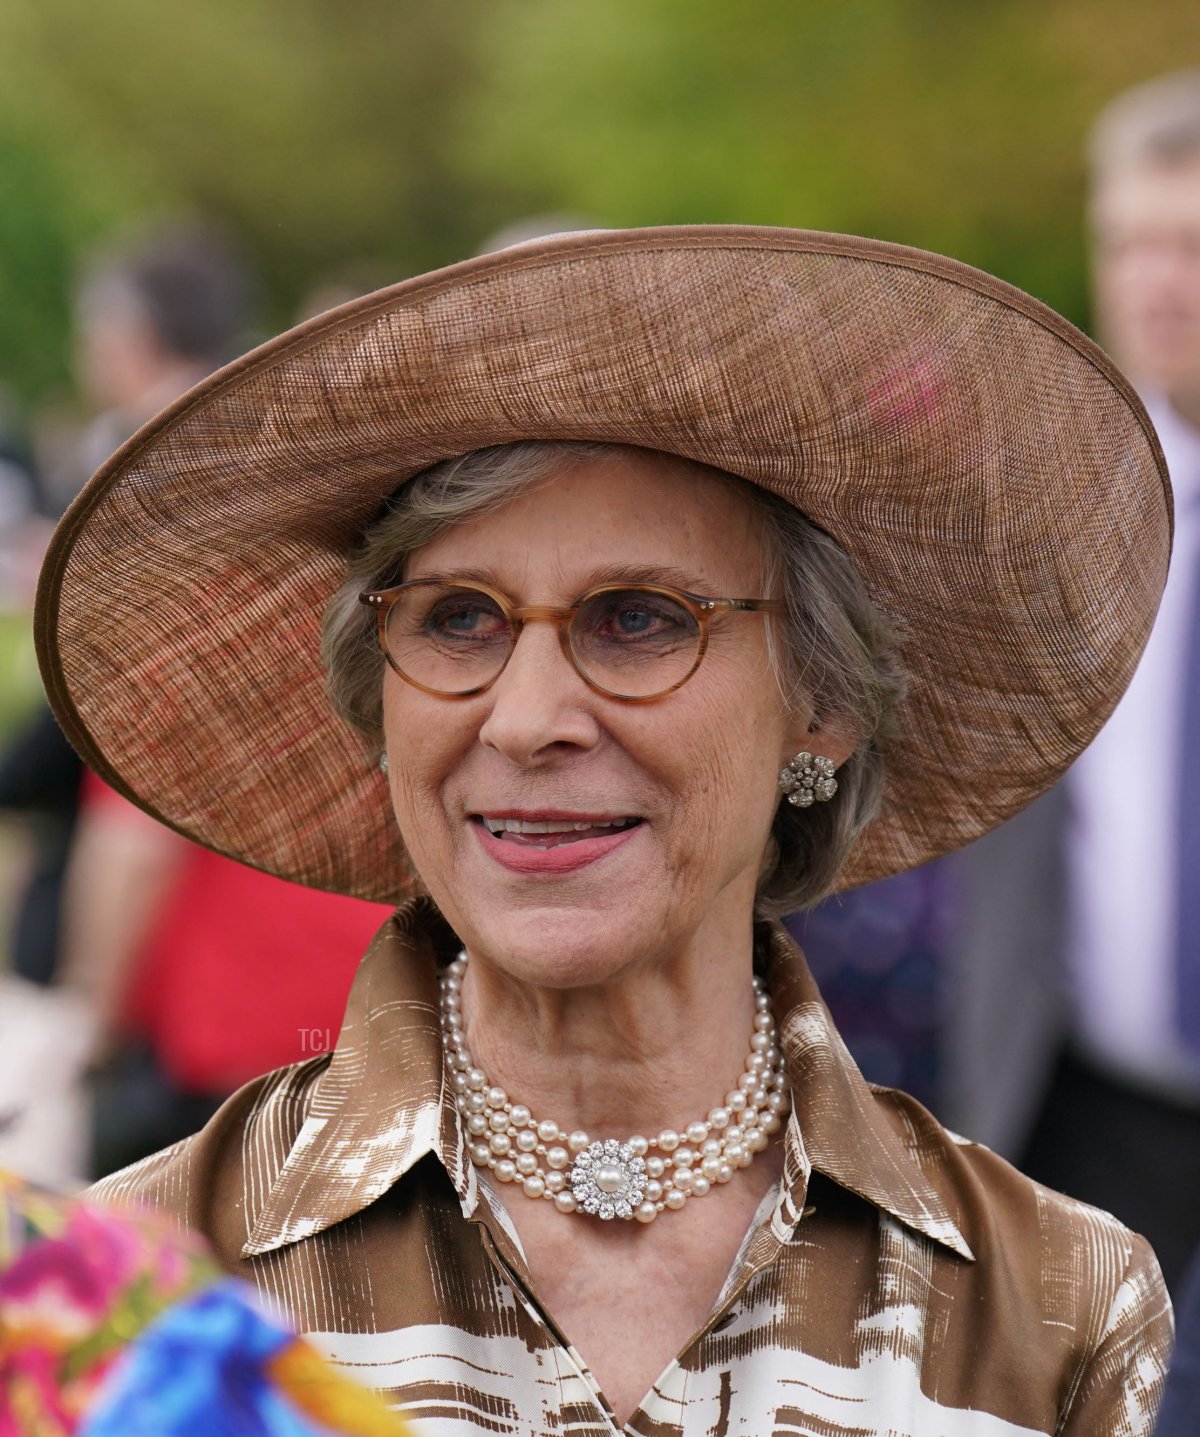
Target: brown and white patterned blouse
point(901, 1282)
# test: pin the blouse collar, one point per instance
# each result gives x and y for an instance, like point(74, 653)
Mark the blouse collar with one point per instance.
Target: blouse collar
point(382, 1102)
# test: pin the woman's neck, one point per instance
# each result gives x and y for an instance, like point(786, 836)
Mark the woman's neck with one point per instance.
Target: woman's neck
point(653, 1048)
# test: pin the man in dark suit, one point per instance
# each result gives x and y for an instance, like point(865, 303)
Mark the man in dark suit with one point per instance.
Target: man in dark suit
point(1074, 1040)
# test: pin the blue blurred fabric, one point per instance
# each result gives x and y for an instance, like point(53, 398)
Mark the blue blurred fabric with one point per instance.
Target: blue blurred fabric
point(199, 1370)
point(878, 955)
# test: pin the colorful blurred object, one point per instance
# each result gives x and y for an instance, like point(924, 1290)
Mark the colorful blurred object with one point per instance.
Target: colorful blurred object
point(76, 1284)
point(217, 1362)
point(113, 1324)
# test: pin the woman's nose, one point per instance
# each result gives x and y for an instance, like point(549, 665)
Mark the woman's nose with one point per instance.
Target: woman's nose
point(539, 703)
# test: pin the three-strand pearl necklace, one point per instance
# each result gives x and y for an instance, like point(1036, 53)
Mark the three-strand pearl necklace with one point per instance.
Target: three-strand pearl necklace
point(639, 1177)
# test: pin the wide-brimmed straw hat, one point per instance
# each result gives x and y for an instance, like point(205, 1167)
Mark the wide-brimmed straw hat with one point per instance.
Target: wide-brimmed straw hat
point(992, 476)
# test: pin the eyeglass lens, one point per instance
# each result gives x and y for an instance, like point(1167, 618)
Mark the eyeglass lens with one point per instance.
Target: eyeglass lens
point(632, 642)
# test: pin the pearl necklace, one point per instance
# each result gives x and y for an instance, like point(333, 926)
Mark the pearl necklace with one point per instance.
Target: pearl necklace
point(637, 1178)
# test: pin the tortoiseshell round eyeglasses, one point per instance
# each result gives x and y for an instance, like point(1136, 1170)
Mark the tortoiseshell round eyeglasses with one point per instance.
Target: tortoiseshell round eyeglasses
point(634, 642)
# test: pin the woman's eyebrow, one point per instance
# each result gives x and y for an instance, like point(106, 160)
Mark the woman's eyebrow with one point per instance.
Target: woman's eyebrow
point(663, 574)
point(458, 574)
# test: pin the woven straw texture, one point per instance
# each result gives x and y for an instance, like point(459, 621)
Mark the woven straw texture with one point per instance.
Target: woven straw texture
point(994, 479)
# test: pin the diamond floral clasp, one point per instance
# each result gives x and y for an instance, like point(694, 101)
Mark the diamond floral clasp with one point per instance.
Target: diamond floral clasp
point(608, 1179)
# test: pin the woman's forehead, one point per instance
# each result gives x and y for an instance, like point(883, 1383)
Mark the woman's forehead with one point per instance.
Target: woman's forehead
point(632, 509)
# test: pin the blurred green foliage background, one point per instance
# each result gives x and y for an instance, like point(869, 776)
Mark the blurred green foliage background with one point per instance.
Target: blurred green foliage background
point(381, 137)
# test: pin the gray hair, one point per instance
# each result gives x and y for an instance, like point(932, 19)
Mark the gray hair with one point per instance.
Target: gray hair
point(835, 650)
point(1157, 123)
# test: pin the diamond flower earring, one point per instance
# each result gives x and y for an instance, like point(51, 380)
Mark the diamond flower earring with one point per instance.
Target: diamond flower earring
point(808, 779)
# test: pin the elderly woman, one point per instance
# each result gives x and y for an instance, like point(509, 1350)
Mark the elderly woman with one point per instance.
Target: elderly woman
point(671, 580)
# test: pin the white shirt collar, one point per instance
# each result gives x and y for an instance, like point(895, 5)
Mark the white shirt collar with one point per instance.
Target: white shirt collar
point(1181, 445)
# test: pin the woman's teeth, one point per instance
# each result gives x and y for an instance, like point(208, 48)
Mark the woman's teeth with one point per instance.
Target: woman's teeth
point(522, 825)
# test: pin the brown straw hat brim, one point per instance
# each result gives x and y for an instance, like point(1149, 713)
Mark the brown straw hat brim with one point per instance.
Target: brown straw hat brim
point(990, 473)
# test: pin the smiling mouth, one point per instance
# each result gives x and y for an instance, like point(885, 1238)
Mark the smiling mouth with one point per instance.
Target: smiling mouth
point(552, 833)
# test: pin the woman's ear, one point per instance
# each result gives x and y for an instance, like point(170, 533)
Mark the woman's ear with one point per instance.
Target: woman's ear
point(826, 738)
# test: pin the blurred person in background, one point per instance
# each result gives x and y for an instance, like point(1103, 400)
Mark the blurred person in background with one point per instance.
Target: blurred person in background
point(44, 1035)
point(531, 227)
point(155, 315)
point(199, 973)
point(41, 796)
point(1075, 1034)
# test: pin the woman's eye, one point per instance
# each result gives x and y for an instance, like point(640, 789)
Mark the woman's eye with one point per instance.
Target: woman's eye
point(634, 617)
point(635, 621)
point(465, 619)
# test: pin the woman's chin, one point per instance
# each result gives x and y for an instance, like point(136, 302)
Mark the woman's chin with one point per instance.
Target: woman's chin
point(558, 944)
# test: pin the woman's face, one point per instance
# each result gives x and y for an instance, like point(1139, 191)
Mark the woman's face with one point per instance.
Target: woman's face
point(693, 774)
